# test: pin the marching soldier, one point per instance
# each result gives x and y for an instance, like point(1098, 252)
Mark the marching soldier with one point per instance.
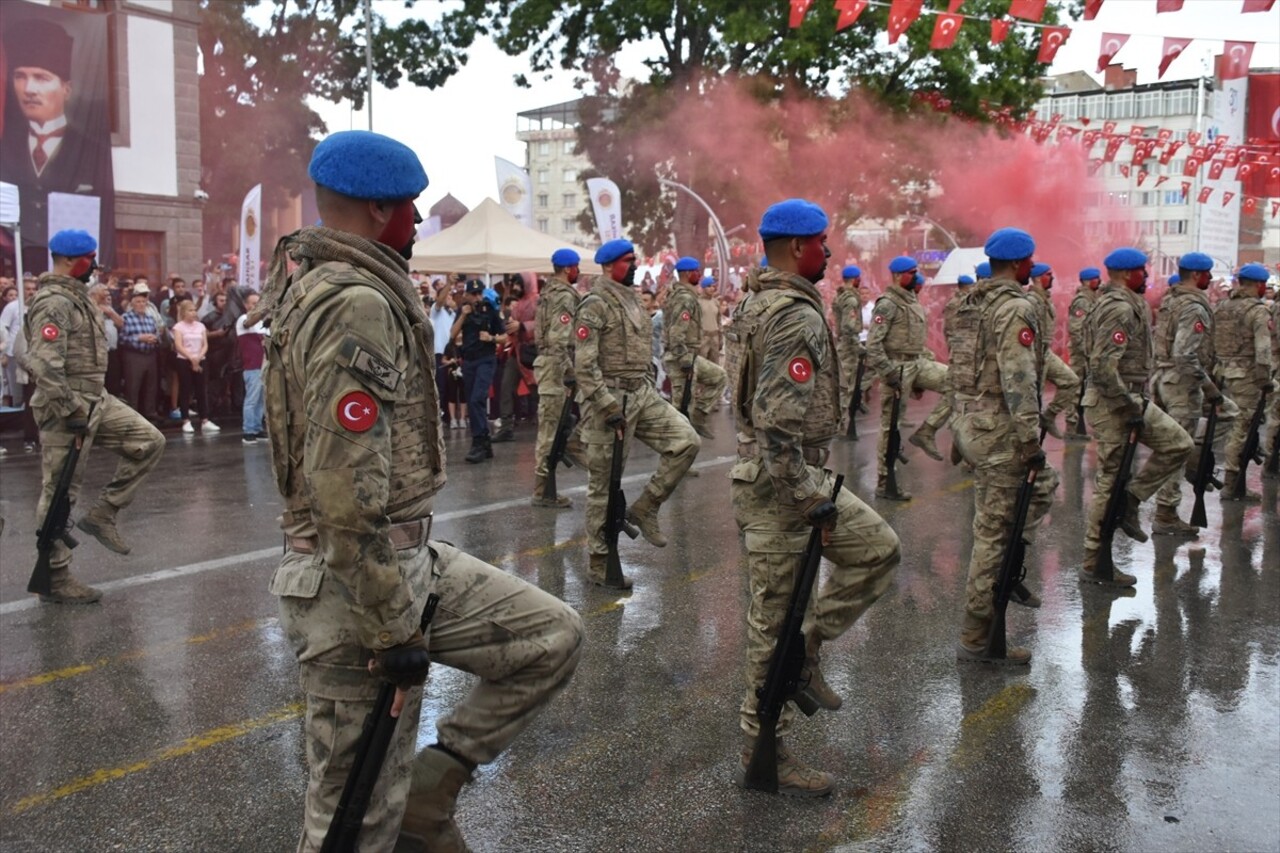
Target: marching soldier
point(846, 320)
point(1273, 416)
point(359, 457)
point(1081, 304)
point(1119, 351)
point(983, 271)
point(896, 342)
point(787, 386)
point(67, 359)
point(682, 326)
point(998, 357)
point(1065, 382)
point(1242, 340)
point(615, 381)
point(553, 368)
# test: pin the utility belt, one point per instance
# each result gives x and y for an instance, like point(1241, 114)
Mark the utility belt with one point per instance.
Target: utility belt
point(405, 536)
point(981, 403)
point(622, 383)
point(812, 455)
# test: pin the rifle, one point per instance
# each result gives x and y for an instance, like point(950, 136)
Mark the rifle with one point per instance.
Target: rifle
point(1205, 480)
point(615, 518)
point(1080, 427)
point(1105, 570)
point(1250, 449)
point(893, 448)
point(782, 681)
point(371, 751)
point(855, 401)
point(57, 523)
point(564, 427)
point(1012, 570)
point(687, 395)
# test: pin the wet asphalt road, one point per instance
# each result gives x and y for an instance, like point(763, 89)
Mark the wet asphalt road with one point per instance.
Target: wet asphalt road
point(167, 717)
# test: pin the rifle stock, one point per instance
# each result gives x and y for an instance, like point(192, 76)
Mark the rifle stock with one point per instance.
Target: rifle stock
point(855, 400)
point(615, 521)
point(782, 678)
point(1205, 479)
point(1250, 449)
point(686, 396)
point(1105, 569)
point(564, 427)
point(1080, 427)
point(56, 524)
point(1011, 567)
point(893, 447)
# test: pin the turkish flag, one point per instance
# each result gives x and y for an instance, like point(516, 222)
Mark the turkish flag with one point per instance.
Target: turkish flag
point(1161, 179)
point(1089, 137)
point(1172, 50)
point(1226, 197)
point(798, 10)
point(999, 29)
point(1186, 188)
point(1109, 128)
point(1142, 176)
point(1235, 59)
point(1135, 132)
point(1028, 10)
point(1257, 6)
point(1094, 166)
point(953, 6)
point(1220, 140)
point(1250, 205)
point(1201, 152)
point(945, 31)
point(1275, 209)
point(849, 12)
point(1124, 169)
point(1113, 145)
point(1091, 8)
point(1168, 6)
point(1111, 44)
point(1272, 187)
point(1051, 39)
point(1190, 167)
point(1243, 171)
point(1205, 193)
point(902, 14)
point(1262, 114)
point(1139, 154)
point(1193, 137)
point(1232, 156)
point(1164, 136)
point(1215, 169)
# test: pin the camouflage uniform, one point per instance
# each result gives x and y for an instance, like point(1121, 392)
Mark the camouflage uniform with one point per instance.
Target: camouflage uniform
point(785, 395)
point(896, 340)
point(1183, 353)
point(1063, 378)
point(1120, 358)
point(358, 457)
point(682, 327)
point(613, 361)
point(67, 359)
point(846, 320)
point(1242, 341)
point(557, 304)
point(998, 355)
point(1273, 415)
point(1081, 305)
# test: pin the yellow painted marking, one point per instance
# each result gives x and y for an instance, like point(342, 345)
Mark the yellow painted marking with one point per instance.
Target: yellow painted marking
point(191, 745)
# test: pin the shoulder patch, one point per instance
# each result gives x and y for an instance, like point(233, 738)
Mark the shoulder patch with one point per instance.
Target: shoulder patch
point(357, 412)
point(49, 332)
point(1027, 336)
point(684, 315)
point(1199, 328)
point(1119, 337)
point(1079, 312)
point(376, 369)
point(800, 369)
point(582, 333)
point(565, 319)
point(879, 318)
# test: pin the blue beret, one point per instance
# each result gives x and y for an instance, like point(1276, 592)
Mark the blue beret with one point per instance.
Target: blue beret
point(902, 264)
point(73, 243)
point(614, 249)
point(1196, 262)
point(965, 279)
point(1009, 244)
point(708, 281)
point(687, 264)
point(1125, 258)
point(565, 258)
point(1175, 279)
point(983, 270)
point(1038, 270)
point(851, 272)
point(794, 217)
point(1090, 272)
point(1253, 272)
point(361, 164)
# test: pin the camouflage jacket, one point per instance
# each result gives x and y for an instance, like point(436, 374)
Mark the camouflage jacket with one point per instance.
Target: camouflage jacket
point(553, 324)
point(846, 316)
point(614, 342)
point(682, 324)
point(1242, 336)
point(1184, 333)
point(897, 331)
point(1081, 305)
point(1118, 346)
point(66, 347)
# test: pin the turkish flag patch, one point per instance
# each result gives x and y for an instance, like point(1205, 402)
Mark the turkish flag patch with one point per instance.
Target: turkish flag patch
point(684, 315)
point(800, 369)
point(582, 333)
point(1079, 312)
point(1199, 327)
point(879, 318)
point(1119, 338)
point(564, 319)
point(357, 412)
point(1026, 337)
point(49, 332)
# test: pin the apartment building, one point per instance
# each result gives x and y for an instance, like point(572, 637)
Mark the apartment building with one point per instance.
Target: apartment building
point(550, 135)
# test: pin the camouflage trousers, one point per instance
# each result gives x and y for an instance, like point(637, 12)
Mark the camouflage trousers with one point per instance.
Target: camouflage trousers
point(1067, 388)
point(849, 355)
point(863, 552)
point(523, 643)
point(921, 374)
point(114, 427)
point(1272, 425)
point(709, 381)
point(1169, 443)
point(985, 436)
point(1183, 399)
point(710, 347)
point(551, 392)
point(1245, 392)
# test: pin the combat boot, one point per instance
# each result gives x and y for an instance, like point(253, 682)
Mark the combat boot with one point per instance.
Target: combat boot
point(1167, 523)
point(815, 690)
point(488, 445)
point(794, 778)
point(428, 823)
point(644, 514)
point(1088, 572)
point(597, 566)
point(100, 523)
point(698, 420)
point(972, 646)
point(1229, 487)
point(1129, 522)
point(476, 454)
point(64, 589)
point(923, 439)
point(1021, 594)
point(507, 433)
point(557, 502)
point(880, 492)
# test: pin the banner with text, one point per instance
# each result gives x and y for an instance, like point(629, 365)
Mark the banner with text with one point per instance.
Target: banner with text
point(606, 203)
point(251, 239)
point(515, 191)
point(1220, 223)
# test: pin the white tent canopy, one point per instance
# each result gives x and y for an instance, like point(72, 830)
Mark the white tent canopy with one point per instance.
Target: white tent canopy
point(489, 240)
point(960, 262)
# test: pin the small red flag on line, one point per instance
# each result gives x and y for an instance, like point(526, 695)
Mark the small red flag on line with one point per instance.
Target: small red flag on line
point(798, 10)
point(1257, 6)
point(1091, 8)
point(999, 30)
point(849, 12)
point(1235, 59)
point(902, 14)
point(1168, 6)
point(1205, 192)
point(945, 31)
point(1172, 50)
point(1111, 44)
point(1051, 39)
point(1250, 204)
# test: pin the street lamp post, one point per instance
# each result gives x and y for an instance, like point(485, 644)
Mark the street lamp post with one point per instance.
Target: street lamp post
point(721, 240)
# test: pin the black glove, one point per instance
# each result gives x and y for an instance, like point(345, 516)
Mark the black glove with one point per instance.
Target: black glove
point(77, 424)
point(613, 417)
point(404, 665)
point(687, 369)
point(893, 381)
point(1030, 454)
point(1215, 400)
point(570, 381)
point(820, 512)
point(1268, 386)
point(1131, 412)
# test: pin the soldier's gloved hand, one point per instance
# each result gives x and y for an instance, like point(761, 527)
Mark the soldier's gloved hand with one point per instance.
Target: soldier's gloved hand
point(687, 369)
point(1212, 393)
point(1131, 411)
point(1268, 386)
point(613, 417)
point(819, 511)
point(1216, 399)
point(893, 381)
point(77, 424)
point(570, 381)
point(404, 665)
point(1030, 454)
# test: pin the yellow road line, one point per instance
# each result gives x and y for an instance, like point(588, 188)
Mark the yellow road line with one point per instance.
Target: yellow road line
point(191, 745)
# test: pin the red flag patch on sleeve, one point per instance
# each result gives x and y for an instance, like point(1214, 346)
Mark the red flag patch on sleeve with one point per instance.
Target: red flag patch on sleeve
point(565, 319)
point(1026, 337)
point(1199, 327)
point(684, 315)
point(49, 332)
point(800, 369)
point(1079, 312)
point(879, 318)
point(1119, 338)
point(582, 333)
point(357, 412)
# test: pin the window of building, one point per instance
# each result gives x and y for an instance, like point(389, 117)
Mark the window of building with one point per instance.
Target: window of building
point(543, 224)
point(1175, 226)
point(1181, 103)
point(569, 175)
point(1069, 107)
point(569, 199)
point(1150, 104)
point(1147, 226)
point(567, 146)
point(1118, 199)
point(543, 199)
point(542, 176)
point(1148, 199)
point(1174, 197)
point(568, 223)
point(1092, 106)
point(1120, 105)
point(544, 148)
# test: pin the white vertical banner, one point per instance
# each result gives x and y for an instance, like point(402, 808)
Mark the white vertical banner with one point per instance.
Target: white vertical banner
point(71, 210)
point(251, 238)
point(1219, 236)
point(515, 191)
point(606, 203)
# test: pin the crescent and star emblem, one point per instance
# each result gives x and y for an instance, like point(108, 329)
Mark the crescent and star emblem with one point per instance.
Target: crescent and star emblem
point(357, 411)
point(800, 369)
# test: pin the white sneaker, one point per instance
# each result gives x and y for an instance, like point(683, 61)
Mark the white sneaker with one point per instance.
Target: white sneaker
point(210, 426)
point(187, 427)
